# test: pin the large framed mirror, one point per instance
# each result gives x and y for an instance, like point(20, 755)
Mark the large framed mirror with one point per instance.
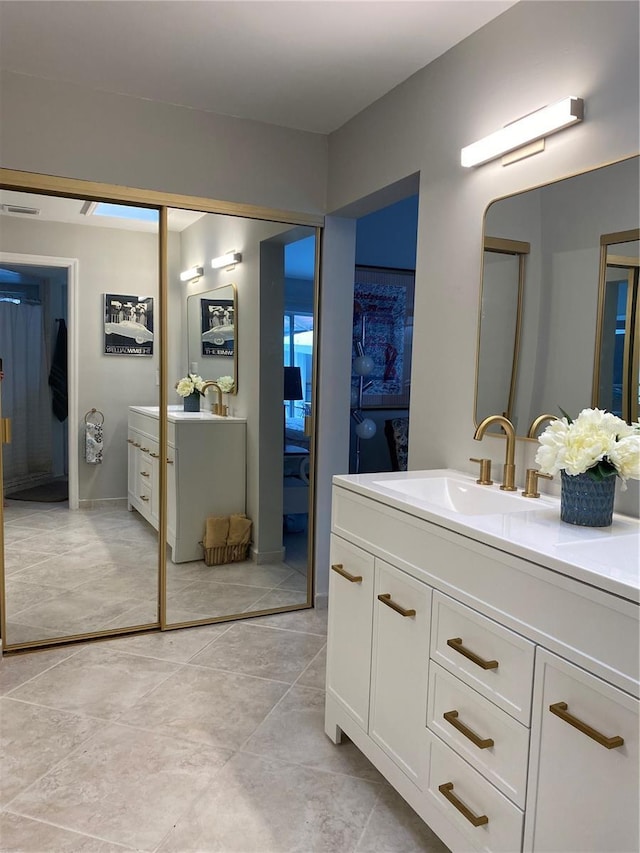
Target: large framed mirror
point(86, 559)
point(558, 353)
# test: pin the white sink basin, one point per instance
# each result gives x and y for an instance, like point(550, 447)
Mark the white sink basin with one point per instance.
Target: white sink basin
point(460, 495)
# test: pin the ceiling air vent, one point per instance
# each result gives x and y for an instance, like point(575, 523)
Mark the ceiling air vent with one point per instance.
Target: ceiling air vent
point(23, 211)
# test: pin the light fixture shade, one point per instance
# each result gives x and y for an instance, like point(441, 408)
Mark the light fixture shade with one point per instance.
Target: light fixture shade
point(534, 126)
point(366, 429)
point(363, 365)
point(190, 274)
point(228, 260)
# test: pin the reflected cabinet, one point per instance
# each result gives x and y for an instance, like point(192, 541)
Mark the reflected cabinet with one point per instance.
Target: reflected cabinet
point(106, 520)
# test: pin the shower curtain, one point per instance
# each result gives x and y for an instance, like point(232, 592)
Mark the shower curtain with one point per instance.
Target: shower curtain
point(26, 397)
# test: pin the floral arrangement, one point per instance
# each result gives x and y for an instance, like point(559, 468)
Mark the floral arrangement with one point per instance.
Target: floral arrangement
point(596, 442)
point(225, 383)
point(190, 384)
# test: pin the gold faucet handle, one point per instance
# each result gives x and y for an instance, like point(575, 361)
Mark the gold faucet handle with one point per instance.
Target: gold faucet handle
point(531, 484)
point(485, 471)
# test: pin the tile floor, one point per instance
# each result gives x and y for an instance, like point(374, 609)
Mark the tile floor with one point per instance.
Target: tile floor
point(74, 572)
point(191, 741)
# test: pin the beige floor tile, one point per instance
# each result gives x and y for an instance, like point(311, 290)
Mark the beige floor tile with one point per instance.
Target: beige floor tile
point(32, 740)
point(262, 651)
point(178, 646)
point(124, 786)
point(279, 598)
point(315, 675)
point(21, 555)
point(208, 706)
point(257, 805)
point(294, 732)
point(309, 621)
point(23, 835)
point(20, 595)
point(18, 669)
point(394, 827)
point(214, 599)
point(296, 582)
point(99, 682)
point(246, 573)
point(76, 611)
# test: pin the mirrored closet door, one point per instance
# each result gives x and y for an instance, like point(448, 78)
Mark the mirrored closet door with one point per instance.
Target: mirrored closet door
point(79, 342)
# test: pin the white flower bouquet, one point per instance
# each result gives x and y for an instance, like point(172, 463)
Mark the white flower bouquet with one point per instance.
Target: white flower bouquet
point(596, 443)
point(225, 383)
point(190, 384)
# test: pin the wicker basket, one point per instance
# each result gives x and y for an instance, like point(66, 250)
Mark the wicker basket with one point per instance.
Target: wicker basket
point(225, 554)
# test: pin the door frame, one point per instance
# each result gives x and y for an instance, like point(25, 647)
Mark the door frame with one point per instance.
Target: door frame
point(71, 266)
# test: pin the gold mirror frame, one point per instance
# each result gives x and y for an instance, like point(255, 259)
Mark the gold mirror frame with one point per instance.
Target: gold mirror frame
point(38, 183)
point(631, 358)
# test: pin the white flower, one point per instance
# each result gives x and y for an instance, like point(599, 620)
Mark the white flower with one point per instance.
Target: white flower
point(596, 437)
point(225, 383)
point(189, 385)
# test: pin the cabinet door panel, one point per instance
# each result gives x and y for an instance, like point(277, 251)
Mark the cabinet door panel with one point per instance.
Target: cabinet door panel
point(400, 664)
point(582, 795)
point(349, 634)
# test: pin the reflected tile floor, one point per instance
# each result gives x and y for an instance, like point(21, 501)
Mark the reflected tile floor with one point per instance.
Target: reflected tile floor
point(202, 739)
point(72, 572)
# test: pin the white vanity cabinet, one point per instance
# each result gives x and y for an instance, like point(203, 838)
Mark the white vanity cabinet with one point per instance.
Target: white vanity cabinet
point(445, 654)
point(205, 473)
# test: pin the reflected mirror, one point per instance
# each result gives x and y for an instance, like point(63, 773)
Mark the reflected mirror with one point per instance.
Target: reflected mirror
point(212, 331)
point(563, 223)
point(79, 343)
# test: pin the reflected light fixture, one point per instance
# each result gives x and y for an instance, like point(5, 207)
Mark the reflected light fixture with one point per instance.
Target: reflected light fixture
point(191, 274)
point(227, 261)
point(531, 128)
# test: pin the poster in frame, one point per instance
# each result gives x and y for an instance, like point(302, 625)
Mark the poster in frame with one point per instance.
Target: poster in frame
point(383, 315)
point(217, 325)
point(128, 324)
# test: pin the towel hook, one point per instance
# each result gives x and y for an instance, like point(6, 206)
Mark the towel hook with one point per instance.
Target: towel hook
point(94, 412)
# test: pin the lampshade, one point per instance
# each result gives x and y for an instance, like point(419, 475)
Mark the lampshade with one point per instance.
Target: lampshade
point(363, 365)
point(292, 384)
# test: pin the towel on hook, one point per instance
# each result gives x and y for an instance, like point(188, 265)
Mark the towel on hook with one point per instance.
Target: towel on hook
point(93, 443)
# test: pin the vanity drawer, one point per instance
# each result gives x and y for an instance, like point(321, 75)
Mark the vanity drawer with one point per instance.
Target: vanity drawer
point(143, 423)
point(144, 493)
point(472, 721)
point(485, 816)
point(490, 658)
point(145, 467)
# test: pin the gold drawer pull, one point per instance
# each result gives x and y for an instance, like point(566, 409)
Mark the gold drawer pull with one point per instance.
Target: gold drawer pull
point(456, 645)
point(339, 568)
point(481, 742)
point(135, 444)
point(144, 498)
point(144, 474)
point(169, 461)
point(144, 449)
point(129, 441)
point(447, 791)
point(155, 455)
point(385, 598)
point(560, 710)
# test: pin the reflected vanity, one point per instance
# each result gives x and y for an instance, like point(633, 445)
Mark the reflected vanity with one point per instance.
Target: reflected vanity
point(578, 340)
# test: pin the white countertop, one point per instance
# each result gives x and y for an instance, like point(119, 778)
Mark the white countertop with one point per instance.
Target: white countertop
point(176, 414)
point(605, 557)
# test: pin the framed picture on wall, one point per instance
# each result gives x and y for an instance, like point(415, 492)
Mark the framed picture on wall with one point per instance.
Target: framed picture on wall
point(217, 318)
point(128, 324)
point(382, 330)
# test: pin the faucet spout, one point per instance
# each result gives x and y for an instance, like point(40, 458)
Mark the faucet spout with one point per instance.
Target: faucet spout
point(509, 464)
point(217, 408)
point(538, 423)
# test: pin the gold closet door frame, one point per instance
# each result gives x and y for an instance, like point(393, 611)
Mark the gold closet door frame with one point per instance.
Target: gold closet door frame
point(34, 182)
point(631, 350)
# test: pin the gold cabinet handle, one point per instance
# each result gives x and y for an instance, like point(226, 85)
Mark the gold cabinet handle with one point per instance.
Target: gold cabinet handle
point(385, 598)
point(144, 498)
point(481, 742)
point(169, 461)
point(456, 645)
point(130, 441)
point(155, 455)
point(560, 710)
point(339, 568)
point(447, 791)
point(144, 449)
point(144, 474)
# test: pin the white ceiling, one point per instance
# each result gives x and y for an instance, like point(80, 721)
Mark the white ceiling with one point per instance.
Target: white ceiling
point(305, 64)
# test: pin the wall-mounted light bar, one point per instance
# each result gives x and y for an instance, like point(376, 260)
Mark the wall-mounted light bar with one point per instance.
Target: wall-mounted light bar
point(227, 261)
point(191, 274)
point(523, 131)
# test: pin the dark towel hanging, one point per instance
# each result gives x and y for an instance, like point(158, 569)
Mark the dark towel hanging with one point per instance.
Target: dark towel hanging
point(58, 374)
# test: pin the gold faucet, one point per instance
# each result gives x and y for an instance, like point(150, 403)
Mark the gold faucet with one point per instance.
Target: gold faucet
point(537, 422)
point(217, 408)
point(509, 465)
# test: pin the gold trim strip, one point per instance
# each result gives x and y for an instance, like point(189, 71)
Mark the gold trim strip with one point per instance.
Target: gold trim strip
point(163, 432)
point(506, 247)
